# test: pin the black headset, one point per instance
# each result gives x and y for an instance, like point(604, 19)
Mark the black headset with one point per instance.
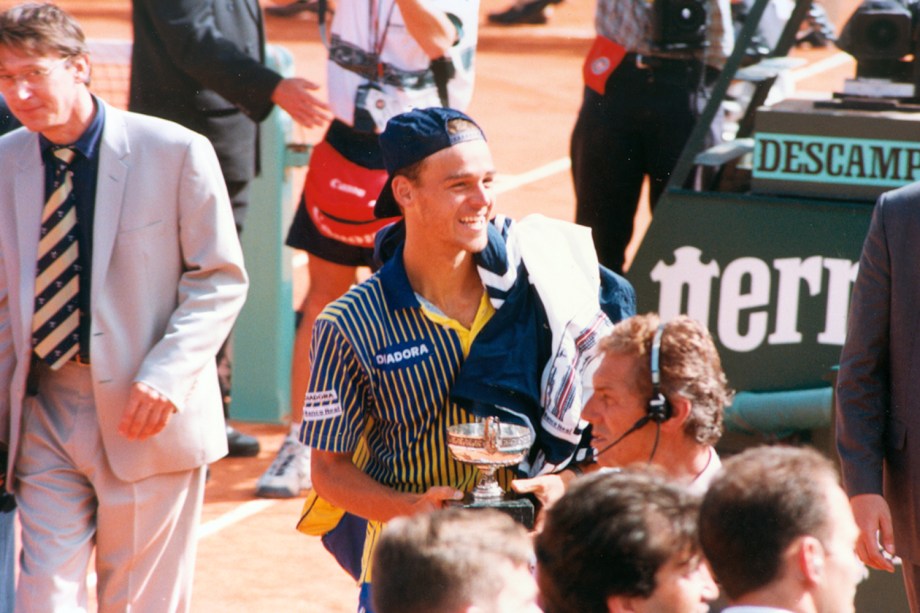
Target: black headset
point(659, 409)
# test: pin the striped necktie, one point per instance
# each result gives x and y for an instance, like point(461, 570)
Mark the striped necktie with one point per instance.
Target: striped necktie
point(56, 322)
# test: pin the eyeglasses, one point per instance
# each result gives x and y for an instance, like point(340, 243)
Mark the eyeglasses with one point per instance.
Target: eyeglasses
point(33, 78)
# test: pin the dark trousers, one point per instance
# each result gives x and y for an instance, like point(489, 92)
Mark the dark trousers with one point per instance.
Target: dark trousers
point(638, 127)
point(239, 200)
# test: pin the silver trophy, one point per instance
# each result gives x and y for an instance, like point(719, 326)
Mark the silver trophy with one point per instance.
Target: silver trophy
point(489, 445)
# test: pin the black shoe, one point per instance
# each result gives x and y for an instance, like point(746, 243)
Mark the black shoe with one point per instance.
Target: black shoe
point(241, 445)
point(294, 8)
point(532, 13)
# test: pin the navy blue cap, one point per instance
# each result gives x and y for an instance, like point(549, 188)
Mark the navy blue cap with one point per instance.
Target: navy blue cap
point(411, 137)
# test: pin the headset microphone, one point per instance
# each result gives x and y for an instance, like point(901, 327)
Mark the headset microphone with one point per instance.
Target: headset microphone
point(639, 423)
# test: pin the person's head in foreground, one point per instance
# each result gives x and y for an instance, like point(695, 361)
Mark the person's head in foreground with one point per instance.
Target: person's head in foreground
point(440, 175)
point(623, 541)
point(454, 561)
point(778, 531)
point(677, 433)
point(44, 71)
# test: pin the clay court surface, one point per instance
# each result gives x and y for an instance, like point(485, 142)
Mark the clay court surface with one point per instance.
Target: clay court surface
point(527, 95)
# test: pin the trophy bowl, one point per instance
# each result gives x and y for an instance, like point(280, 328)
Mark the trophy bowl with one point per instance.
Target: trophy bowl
point(488, 445)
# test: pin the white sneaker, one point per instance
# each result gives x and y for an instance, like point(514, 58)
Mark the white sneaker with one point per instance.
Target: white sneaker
point(289, 473)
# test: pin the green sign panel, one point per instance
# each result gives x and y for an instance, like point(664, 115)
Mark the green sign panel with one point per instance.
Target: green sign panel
point(770, 277)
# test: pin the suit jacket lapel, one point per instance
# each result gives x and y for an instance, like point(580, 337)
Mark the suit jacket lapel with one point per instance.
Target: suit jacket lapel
point(110, 193)
point(30, 199)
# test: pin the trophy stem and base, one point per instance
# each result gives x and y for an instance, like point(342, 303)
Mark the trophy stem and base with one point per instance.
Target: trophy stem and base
point(521, 510)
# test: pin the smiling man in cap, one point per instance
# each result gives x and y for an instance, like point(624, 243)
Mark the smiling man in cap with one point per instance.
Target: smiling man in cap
point(397, 359)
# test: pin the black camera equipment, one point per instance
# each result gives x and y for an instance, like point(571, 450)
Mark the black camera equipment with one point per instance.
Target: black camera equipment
point(880, 35)
point(679, 24)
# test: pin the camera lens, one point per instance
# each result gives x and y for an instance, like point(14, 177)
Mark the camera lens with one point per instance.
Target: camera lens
point(882, 34)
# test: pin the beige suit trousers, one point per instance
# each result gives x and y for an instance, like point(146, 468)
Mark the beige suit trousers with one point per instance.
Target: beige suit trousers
point(70, 502)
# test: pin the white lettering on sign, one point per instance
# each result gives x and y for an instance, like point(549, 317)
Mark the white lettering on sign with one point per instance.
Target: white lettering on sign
point(745, 287)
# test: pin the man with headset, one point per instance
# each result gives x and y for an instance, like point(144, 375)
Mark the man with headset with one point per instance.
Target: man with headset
point(656, 395)
point(659, 395)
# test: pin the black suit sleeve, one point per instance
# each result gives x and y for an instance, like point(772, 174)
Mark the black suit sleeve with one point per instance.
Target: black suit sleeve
point(217, 44)
point(863, 383)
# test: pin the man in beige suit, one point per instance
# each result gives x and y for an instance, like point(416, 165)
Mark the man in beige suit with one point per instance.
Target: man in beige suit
point(120, 276)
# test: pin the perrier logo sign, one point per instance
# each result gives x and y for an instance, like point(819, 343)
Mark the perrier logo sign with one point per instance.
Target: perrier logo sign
point(829, 159)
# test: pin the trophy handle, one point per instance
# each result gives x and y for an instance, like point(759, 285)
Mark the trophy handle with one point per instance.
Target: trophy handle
point(492, 432)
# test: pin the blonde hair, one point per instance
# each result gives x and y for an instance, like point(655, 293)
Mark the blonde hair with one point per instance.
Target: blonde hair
point(39, 29)
point(689, 363)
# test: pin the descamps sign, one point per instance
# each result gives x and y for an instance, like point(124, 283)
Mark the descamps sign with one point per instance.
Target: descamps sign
point(827, 159)
point(758, 301)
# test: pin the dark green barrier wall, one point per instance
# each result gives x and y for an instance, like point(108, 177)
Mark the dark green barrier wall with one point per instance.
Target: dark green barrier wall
point(771, 277)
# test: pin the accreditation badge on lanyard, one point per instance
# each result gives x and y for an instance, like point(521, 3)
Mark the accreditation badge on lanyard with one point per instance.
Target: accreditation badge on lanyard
point(603, 58)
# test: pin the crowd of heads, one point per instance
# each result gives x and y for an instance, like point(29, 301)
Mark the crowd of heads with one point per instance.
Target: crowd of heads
point(774, 529)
